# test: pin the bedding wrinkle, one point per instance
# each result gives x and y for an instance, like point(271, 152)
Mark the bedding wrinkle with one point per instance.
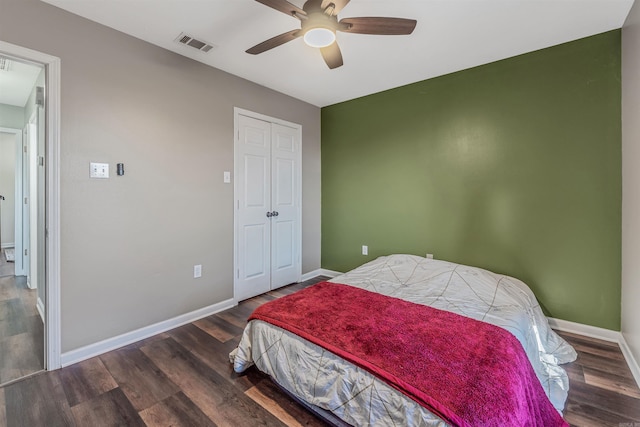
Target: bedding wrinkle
point(266, 353)
point(315, 383)
point(449, 281)
point(493, 300)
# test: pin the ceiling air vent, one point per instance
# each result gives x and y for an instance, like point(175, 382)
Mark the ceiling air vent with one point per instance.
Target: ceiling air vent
point(194, 43)
point(5, 64)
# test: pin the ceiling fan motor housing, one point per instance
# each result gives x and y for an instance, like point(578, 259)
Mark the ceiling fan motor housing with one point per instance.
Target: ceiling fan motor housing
point(317, 18)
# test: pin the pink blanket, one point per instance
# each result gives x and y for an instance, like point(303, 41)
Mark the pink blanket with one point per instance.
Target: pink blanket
point(469, 373)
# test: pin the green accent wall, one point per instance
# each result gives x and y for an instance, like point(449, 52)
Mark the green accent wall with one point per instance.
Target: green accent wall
point(513, 166)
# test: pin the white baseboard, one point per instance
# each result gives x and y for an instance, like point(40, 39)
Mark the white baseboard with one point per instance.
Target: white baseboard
point(40, 307)
point(309, 275)
point(631, 360)
point(330, 273)
point(319, 272)
point(586, 330)
point(602, 334)
point(96, 349)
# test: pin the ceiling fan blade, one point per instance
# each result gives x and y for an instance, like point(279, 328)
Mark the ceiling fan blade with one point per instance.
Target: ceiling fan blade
point(274, 42)
point(283, 6)
point(381, 26)
point(339, 4)
point(332, 55)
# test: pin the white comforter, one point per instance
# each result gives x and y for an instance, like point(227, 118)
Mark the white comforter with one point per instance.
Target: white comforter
point(325, 380)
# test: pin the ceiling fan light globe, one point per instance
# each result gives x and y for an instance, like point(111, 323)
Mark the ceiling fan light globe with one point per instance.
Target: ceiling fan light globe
point(319, 37)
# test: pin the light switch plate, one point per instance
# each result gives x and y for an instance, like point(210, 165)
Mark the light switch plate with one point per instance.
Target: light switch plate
point(227, 177)
point(99, 170)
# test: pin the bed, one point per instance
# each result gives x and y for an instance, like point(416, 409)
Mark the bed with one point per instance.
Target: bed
point(359, 397)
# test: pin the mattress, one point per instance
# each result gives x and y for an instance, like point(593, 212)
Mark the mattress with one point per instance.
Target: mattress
point(354, 395)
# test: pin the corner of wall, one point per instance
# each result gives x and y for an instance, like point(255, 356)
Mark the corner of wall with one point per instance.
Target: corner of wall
point(630, 358)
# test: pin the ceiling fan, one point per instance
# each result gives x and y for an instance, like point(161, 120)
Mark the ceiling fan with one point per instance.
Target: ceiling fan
point(319, 23)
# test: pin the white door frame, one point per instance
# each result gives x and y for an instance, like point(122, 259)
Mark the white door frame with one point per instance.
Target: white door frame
point(52, 195)
point(19, 270)
point(26, 226)
point(236, 113)
point(31, 167)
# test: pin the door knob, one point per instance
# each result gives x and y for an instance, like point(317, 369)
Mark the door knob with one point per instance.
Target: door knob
point(275, 213)
point(269, 214)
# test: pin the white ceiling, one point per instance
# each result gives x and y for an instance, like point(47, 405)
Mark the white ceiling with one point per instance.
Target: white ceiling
point(17, 83)
point(451, 35)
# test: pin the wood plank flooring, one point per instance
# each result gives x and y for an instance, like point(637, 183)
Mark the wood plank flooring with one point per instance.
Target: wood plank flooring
point(21, 330)
point(183, 378)
point(602, 391)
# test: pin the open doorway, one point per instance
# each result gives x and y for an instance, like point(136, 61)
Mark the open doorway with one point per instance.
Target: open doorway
point(22, 218)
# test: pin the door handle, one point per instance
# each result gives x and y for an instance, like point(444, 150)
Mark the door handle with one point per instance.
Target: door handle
point(269, 214)
point(274, 213)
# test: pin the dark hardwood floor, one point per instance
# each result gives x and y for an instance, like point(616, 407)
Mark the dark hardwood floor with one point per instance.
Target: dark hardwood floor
point(21, 330)
point(602, 391)
point(183, 378)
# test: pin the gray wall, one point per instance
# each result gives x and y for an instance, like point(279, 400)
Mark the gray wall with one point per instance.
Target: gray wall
point(11, 116)
point(129, 243)
point(631, 181)
point(7, 189)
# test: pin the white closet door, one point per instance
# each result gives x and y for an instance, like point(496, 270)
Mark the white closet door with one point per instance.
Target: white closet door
point(285, 171)
point(268, 206)
point(253, 189)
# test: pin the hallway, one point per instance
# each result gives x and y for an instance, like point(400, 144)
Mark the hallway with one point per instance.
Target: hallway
point(21, 330)
point(6, 268)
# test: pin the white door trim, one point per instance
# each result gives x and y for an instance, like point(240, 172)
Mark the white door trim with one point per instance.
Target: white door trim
point(33, 274)
point(19, 271)
point(52, 189)
point(236, 113)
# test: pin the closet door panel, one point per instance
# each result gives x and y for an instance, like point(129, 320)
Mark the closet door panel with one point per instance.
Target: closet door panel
point(285, 179)
point(253, 230)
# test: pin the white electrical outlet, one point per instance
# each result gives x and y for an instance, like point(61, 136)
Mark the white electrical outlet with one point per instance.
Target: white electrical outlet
point(226, 178)
point(430, 256)
point(365, 250)
point(197, 271)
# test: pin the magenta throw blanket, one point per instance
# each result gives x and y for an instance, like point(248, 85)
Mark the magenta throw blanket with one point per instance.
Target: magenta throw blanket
point(467, 372)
